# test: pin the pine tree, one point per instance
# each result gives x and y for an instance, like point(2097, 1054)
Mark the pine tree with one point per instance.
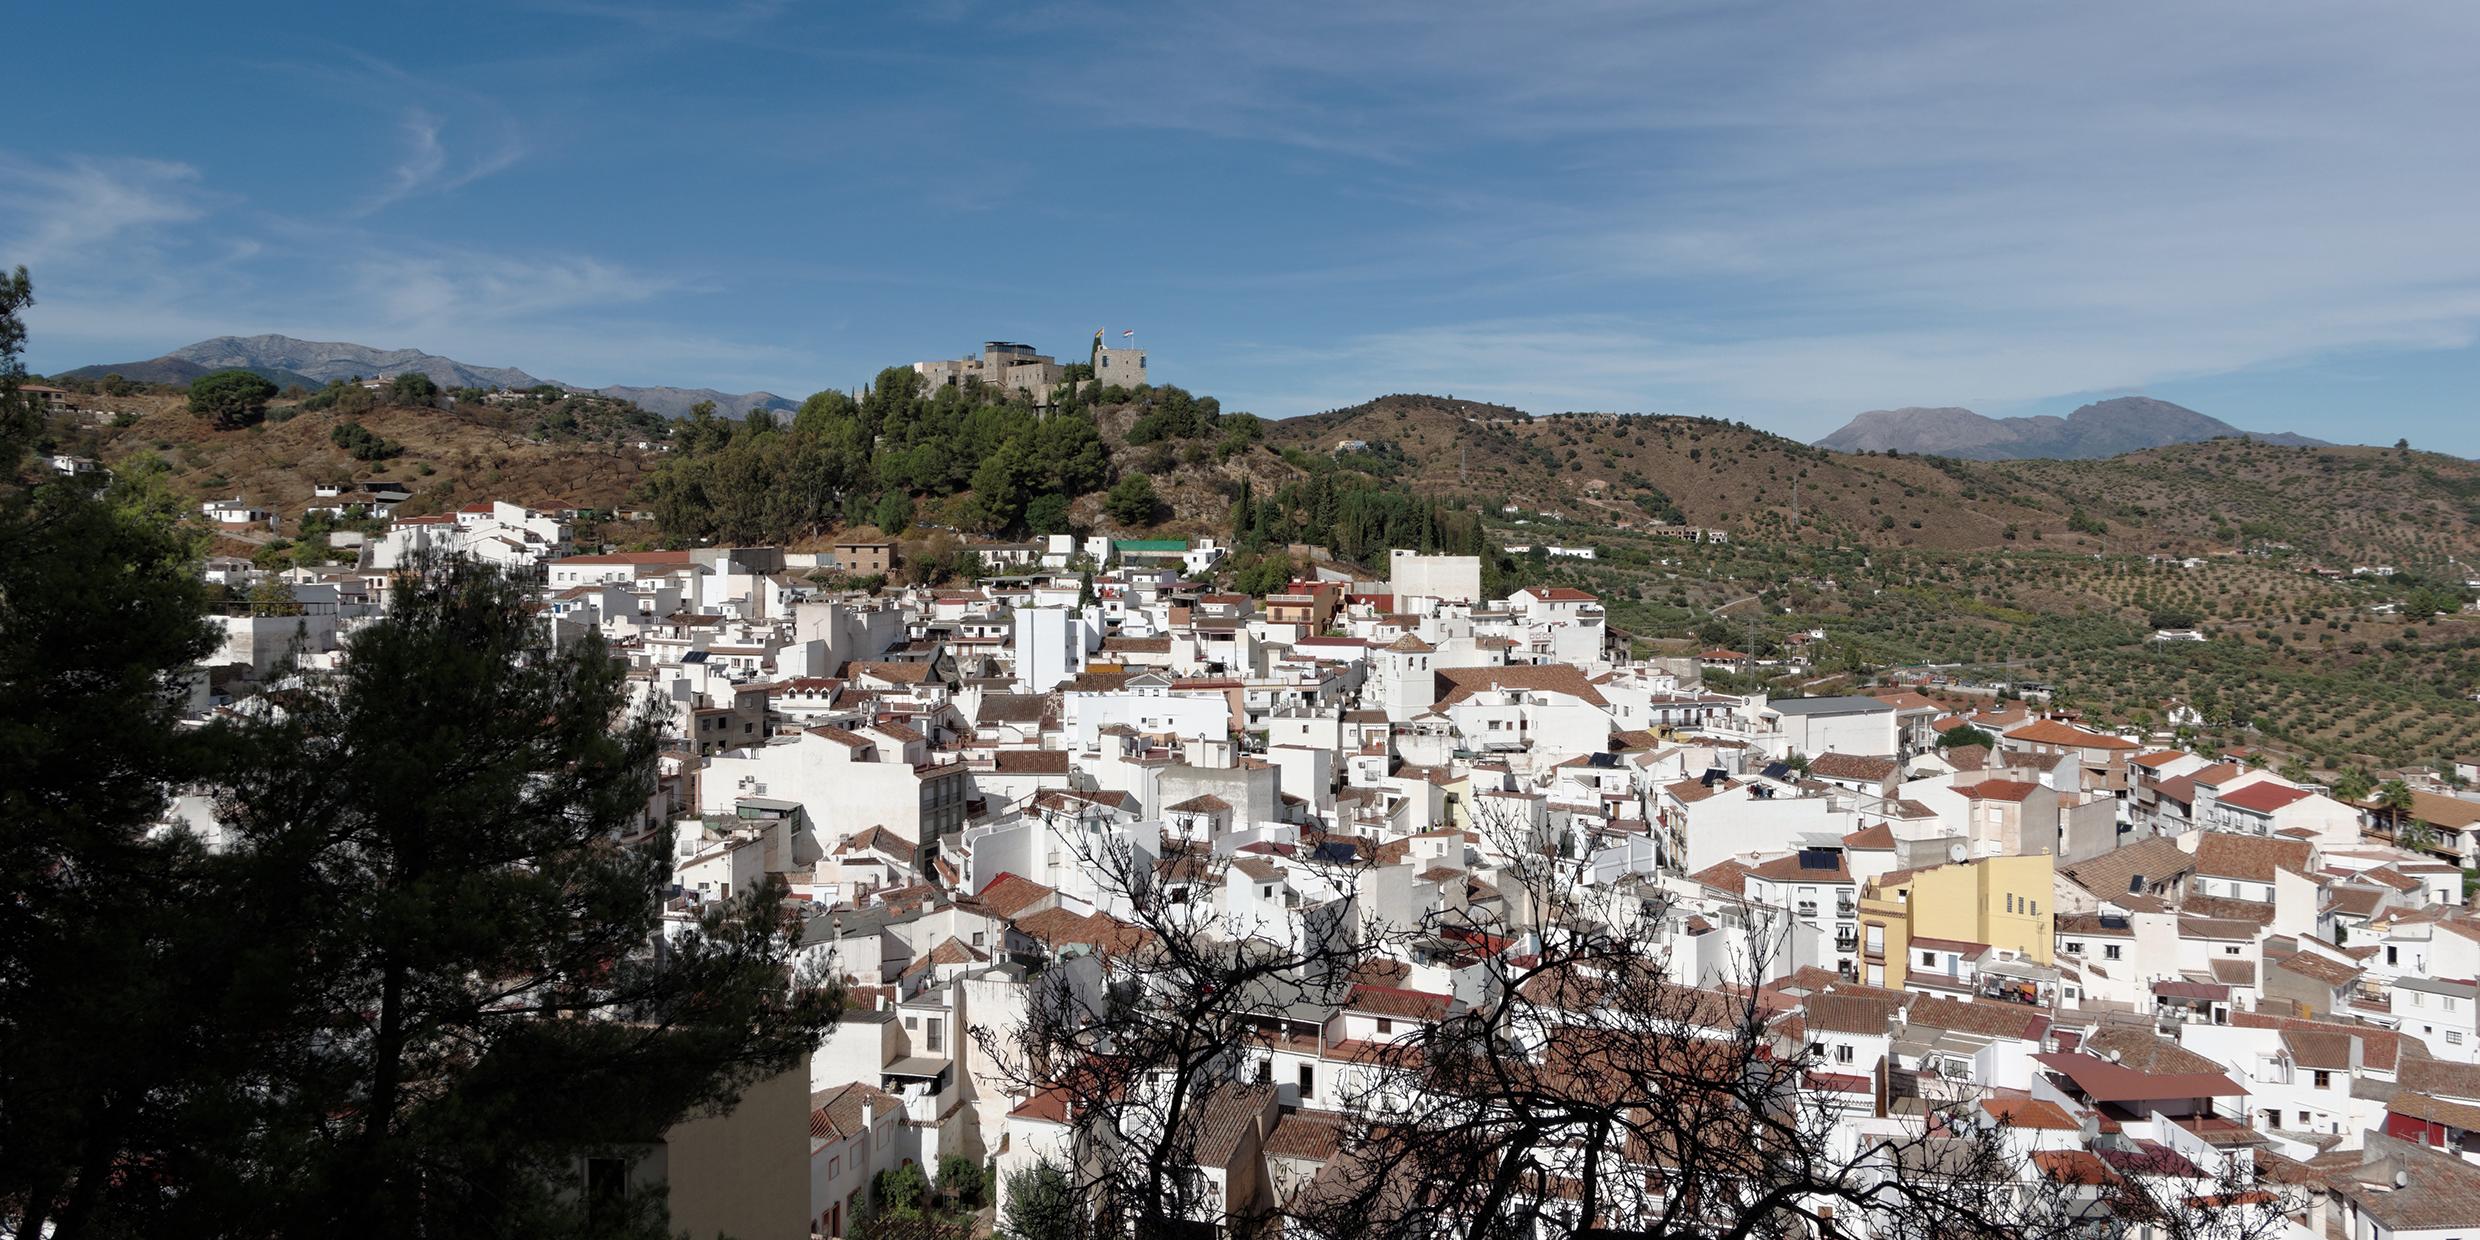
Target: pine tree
point(442, 827)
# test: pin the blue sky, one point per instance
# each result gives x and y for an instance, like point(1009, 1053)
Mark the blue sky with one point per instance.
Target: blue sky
point(1782, 214)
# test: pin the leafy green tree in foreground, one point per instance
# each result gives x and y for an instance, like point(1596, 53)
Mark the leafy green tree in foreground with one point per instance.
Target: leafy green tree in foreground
point(1041, 1205)
point(231, 399)
point(437, 827)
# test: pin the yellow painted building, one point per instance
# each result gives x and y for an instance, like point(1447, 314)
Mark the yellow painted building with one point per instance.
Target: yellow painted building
point(1924, 920)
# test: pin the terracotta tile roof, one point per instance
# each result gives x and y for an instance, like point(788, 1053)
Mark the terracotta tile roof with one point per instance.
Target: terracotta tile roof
point(1837, 1012)
point(2265, 797)
point(2330, 972)
point(1258, 868)
point(1789, 869)
point(1563, 678)
point(1871, 839)
point(1009, 895)
point(2313, 1048)
point(1396, 1003)
point(1996, 1020)
point(2453, 813)
point(2158, 758)
point(1730, 876)
point(1690, 791)
point(2224, 908)
point(2104, 1081)
point(1031, 761)
point(2441, 1077)
point(1967, 757)
point(892, 673)
point(848, 739)
point(2000, 790)
point(2158, 860)
point(2143, 1051)
point(1013, 708)
point(2028, 1112)
point(1207, 803)
point(835, 1114)
point(880, 839)
point(2052, 732)
point(1306, 1135)
point(1229, 1115)
point(1853, 766)
point(2254, 858)
point(2380, 1049)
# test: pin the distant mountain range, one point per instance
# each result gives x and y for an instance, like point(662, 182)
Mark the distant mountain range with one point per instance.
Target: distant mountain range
point(286, 362)
point(2101, 429)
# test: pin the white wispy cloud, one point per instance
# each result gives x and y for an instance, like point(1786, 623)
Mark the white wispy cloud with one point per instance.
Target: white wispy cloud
point(1786, 208)
point(69, 210)
point(427, 166)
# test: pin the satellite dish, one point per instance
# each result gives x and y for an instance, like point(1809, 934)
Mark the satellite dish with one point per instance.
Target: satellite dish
point(2402, 1179)
point(1955, 851)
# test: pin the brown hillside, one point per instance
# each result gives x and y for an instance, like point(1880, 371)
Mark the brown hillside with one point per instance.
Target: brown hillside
point(450, 457)
point(2340, 502)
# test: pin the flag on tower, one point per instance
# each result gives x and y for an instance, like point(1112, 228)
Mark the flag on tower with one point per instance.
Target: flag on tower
point(1129, 332)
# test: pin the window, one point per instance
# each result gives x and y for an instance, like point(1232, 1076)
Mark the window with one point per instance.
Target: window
point(607, 1185)
point(2010, 902)
point(937, 1032)
point(2303, 1120)
point(2109, 951)
point(2032, 908)
point(1308, 1080)
point(2418, 999)
point(2230, 951)
point(1385, 1025)
point(2072, 947)
point(2393, 954)
point(1928, 960)
point(1265, 1071)
point(1842, 1052)
point(1877, 940)
point(2454, 1037)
